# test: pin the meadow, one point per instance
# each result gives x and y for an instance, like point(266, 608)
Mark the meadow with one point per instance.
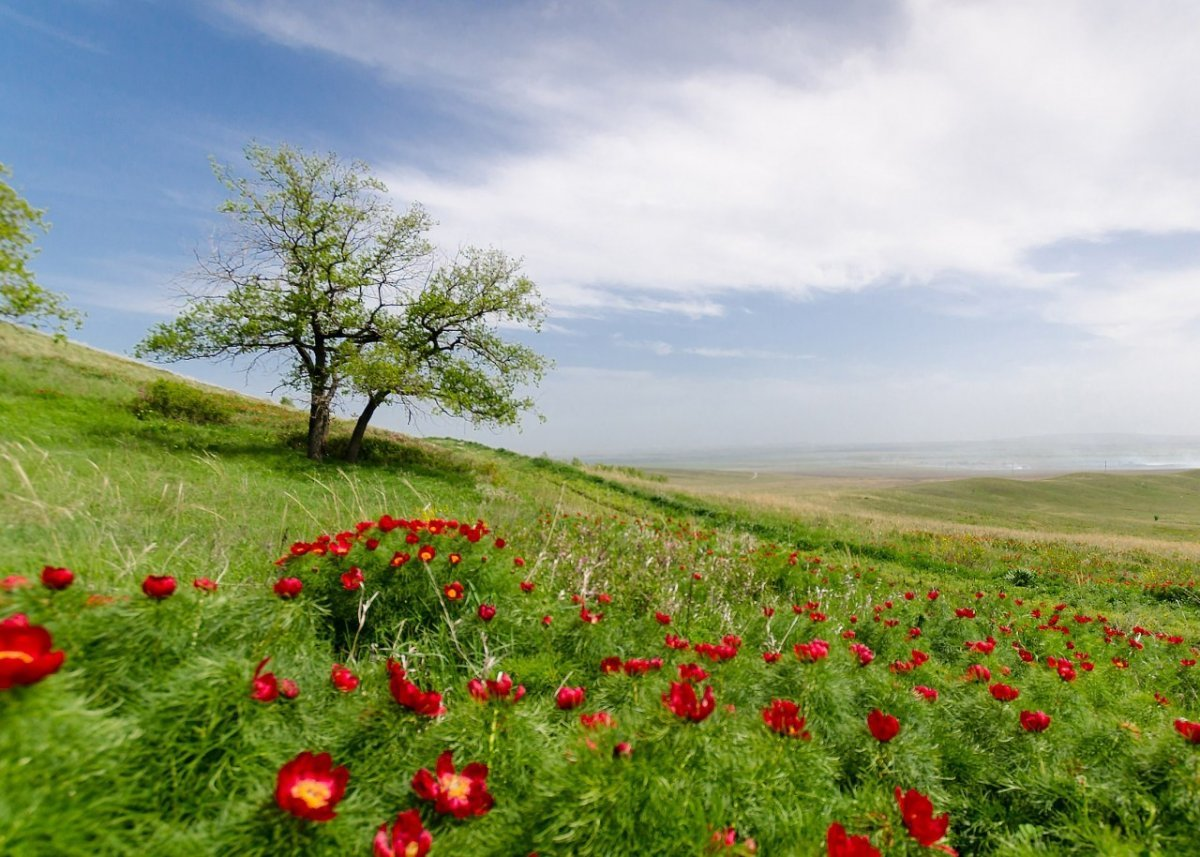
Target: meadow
point(454, 650)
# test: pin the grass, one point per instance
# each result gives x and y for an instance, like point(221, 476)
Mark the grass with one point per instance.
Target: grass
point(148, 740)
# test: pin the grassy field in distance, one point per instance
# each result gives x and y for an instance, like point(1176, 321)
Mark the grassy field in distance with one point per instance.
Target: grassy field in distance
point(1147, 507)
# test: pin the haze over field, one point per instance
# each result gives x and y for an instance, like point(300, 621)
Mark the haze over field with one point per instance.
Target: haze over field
point(755, 223)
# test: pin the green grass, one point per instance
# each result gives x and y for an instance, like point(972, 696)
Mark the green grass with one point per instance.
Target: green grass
point(148, 741)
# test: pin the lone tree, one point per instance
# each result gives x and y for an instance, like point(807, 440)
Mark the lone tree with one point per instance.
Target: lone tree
point(317, 268)
point(21, 298)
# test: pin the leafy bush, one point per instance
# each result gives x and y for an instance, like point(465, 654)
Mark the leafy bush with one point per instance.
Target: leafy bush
point(178, 401)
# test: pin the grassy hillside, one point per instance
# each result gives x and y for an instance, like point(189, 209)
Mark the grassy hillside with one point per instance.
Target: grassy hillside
point(434, 567)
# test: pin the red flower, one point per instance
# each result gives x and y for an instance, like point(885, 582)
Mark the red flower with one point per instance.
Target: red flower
point(692, 672)
point(487, 612)
point(454, 558)
point(399, 558)
point(917, 812)
point(838, 844)
point(683, 702)
point(978, 672)
point(500, 543)
point(204, 584)
point(159, 586)
point(546, 620)
point(1035, 721)
point(662, 618)
point(426, 553)
point(453, 793)
point(408, 838)
point(527, 585)
point(288, 587)
point(674, 641)
point(812, 652)
point(412, 697)
point(352, 579)
point(25, 656)
point(611, 665)
point(884, 727)
point(782, 717)
point(965, 613)
point(13, 581)
point(772, 657)
point(1186, 728)
point(310, 787)
point(500, 688)
point(264, 687)
point(518, 562)
point(569, 697)
point(1004, 692)
point(928, 692)
point(343, 679)
point(57, 578)
point(588, 616)
point(601, 719)
point(288, 689)
point(453, 591)
point(862, 652)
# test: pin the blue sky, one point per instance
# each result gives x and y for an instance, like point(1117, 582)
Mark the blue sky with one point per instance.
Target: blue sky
point(753, 222)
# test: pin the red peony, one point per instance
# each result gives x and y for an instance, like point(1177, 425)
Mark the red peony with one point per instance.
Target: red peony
point(527, 585)
point(570, 697)
point(662, 618)
point(1035, 721)
point(884, 727)
point(487, 612)
point(782, 717)
point(458, 794)
point(408, 837)
point(57, 578)
point(310, 787)
point(838, 844)
point(410, 696)
point(426, 553)
point(25, 656)
point(343, 679)
point(264, 687)
point(917, 812)
point(204, 584)
point(288, 587)
point(599, 720)
point(352, 579)
point(159, 586)
point(683, 702)
point(453, 591)
point(928, 693)
point(1004, 692)
point(1186, 728)
point(811, 652)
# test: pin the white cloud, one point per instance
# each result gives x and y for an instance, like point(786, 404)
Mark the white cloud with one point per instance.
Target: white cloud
point(953, 139)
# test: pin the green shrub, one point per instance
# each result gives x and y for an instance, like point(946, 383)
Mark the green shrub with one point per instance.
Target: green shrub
point(178, 401)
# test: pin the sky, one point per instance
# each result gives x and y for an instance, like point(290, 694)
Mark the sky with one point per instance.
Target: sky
point(753, 222)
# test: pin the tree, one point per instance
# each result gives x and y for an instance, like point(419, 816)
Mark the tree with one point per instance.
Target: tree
point(21, 298)
point(445, 351)
point(317, 268)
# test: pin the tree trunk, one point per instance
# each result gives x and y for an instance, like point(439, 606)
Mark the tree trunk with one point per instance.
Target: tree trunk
point(360, 427)
point(318, 420)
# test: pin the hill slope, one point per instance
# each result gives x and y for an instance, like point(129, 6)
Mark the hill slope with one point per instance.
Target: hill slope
point(735, 665)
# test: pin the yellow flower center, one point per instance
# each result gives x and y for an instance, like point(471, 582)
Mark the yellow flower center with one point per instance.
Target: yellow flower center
point(411, 849)
point(456, 786)
point(23, 657)
point(314, 793)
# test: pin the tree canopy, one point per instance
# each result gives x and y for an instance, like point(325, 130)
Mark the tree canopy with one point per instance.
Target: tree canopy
point(21, 298)
point(318, 268)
